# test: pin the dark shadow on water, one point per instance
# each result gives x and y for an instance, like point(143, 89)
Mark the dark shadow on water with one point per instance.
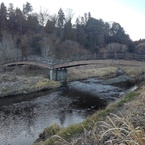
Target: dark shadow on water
point(9, 100)
point(83, 100)
point(24, 117)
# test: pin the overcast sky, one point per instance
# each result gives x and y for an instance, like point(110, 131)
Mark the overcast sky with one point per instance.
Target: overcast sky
point(130, 14)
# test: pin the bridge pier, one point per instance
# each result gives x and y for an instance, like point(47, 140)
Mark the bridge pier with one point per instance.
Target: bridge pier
point(58, 74)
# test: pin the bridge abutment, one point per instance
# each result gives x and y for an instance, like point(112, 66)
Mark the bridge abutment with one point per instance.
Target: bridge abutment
point(58, 74)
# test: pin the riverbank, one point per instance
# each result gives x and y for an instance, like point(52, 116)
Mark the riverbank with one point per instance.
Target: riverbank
point(122, 122)
point(105, 126)
point(24, 81)
point(102, 72)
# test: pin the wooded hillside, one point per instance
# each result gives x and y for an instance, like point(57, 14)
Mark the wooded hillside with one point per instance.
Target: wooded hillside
point(24, 32)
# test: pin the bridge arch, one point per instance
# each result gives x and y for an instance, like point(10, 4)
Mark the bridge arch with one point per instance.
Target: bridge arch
point(58, 68)
point(39, 64)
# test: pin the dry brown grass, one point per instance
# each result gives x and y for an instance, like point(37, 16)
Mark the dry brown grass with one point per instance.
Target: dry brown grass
point(114, 131)
point(102, 71)
point(133, 71)
point(83, 72)
point(118, 130)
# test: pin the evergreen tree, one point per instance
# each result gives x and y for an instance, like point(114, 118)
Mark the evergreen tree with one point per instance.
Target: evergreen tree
point(60, 22)
point(50, 26)
point(89, 15)
point(11, 20)
point(95, 34)
point(81, 35)
point(36, 44)
point(32, 24)
point(61, 18)
point(27, 8)
point(117, 34)
point(3, 17)
point(69, 33)
point(20, 22)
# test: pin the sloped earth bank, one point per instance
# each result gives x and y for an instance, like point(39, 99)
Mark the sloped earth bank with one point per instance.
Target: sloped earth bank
point(121, 123)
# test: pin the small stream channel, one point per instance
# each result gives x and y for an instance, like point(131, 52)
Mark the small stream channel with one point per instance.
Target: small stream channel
point(23, 118)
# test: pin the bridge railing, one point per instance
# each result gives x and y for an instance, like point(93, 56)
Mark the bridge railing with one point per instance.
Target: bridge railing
point(98, 56)
point(78, 57)
point(30, 58)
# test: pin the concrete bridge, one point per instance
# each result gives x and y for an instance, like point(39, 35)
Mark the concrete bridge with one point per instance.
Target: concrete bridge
point(58, 67)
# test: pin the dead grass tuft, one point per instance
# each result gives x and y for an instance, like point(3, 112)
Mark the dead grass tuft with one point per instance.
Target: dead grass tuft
point(118, 130)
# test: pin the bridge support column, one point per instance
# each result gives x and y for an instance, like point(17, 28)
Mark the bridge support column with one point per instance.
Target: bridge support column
point(59, 74)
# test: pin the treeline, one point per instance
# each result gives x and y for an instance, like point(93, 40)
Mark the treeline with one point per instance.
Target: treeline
point(24, 33)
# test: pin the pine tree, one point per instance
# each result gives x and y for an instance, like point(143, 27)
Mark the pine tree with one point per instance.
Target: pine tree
point(3, 17)
point(27, 8)
point(60, 22)
point(61, 18)
point(11, 18)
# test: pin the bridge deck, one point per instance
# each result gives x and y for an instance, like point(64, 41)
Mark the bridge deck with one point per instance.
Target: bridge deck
point(39, 64)
point(109, 62)
point(108, 59)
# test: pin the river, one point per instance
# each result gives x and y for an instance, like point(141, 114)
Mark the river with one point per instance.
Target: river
point(23, 118)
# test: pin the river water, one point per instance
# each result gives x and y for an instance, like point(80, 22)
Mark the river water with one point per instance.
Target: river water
point(23, 118)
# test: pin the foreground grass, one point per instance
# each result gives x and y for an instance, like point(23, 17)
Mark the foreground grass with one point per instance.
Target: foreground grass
point(120, 130)
point(66, 134)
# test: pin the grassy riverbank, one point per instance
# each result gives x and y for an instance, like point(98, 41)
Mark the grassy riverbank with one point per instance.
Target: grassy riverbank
point(121, 121)
point(84, 72)
point(25, 81)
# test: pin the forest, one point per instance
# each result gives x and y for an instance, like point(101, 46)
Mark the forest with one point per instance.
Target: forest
point(24, 33)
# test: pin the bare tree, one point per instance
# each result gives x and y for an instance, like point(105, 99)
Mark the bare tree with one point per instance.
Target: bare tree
point(8, 48)
point(53, 18)
point(49, 45)
point(69, 14)
point(141, 48)
point(116, 47)
point(43, 16)
point(69, 48)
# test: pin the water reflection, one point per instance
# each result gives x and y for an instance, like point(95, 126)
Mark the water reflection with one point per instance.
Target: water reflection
point(21, 123)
